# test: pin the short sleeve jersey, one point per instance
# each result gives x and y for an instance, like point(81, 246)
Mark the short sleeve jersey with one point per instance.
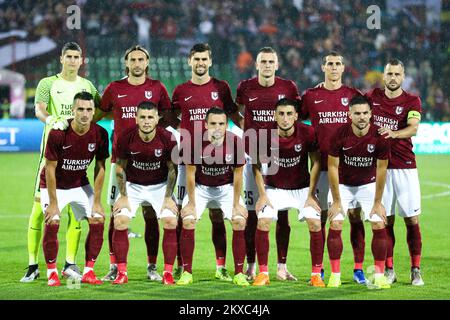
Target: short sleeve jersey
point(122, 98)
point(146, 161)
point(328, 111)
point(74, 153)
point(194, 101)
point(393, 114)
point(292, 158)
point(358, 155)
point(259, 102)
point(216, 163)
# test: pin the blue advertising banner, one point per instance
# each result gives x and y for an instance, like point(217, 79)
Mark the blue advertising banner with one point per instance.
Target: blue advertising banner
point(25, 136)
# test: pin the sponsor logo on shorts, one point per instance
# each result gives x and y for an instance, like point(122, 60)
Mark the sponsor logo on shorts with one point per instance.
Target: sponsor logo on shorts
point(317, 101)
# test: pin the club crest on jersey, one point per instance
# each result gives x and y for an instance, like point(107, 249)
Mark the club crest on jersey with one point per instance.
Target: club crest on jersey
point(148, 94)
point(228, 157)
point(398, 110)
point(158, 152)
point(298, 147)
point(281, 96)
point(91, 147)
point(214, 95)
point(344, 101)
point(370, 148)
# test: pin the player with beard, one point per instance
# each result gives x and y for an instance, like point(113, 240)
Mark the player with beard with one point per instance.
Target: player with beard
point(214, 180)
point(357, 164)
point(289, 185)
point(398, 114)
point(257, 98)
point(121, 98)
point(191, 100)
point(146, 174)
point(327, 108)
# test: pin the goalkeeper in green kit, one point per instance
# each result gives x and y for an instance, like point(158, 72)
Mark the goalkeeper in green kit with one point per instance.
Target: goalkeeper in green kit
point(53, 106)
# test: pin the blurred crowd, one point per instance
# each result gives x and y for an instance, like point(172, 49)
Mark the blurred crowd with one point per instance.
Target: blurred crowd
point(302, 31)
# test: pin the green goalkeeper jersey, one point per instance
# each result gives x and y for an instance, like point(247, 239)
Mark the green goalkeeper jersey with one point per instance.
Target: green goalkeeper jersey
point(58, 94)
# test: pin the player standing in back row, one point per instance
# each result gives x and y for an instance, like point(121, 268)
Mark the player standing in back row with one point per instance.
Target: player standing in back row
point(122, 97)
point(258, 97)
point(327, 108)
point(53, 106)
point(192, 100)
point(397, 112)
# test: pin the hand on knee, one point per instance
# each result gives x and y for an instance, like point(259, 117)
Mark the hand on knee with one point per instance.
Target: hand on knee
point(314, 225)
point(264, 224)
point(189, 224)
point(336, 224)
point(169, 223)
point(121, 222)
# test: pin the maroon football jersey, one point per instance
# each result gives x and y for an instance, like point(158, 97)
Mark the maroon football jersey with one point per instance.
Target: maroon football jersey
point(328, 111)
point(358, 155)
point(147, 161)
point(393, 114)
point(122, 98)
point(74, 153)
point(259, 101)
point(292, 159)
point(216, 163)
point(195, 100)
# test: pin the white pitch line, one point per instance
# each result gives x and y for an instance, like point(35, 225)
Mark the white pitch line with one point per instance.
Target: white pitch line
point(436, 195)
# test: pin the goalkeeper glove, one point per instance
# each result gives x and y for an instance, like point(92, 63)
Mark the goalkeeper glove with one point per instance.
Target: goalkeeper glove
point(57, 123)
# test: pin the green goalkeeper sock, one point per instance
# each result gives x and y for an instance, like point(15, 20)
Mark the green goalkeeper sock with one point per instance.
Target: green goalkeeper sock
point(73, 236)
point(35, 232)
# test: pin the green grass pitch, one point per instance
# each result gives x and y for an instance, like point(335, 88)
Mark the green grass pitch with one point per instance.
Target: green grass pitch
point(17, 176)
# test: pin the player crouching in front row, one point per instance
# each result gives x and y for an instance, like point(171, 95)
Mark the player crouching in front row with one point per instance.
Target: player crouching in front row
point(146, 175)
point(64, 182)
point(289, 185)
point(215, 181)
point(357, 166)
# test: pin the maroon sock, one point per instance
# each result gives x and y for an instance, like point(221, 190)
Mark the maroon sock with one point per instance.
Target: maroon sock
point(238, 250)
point(179, 227)
point(357, 235)
point(112, 257)
point(334, 245)
point(262, 249)
point(94, 242)
point(50, 244)
point(219, 239)
point(390, 243)
point(187, 248)
point(120, 245)
point(324, 233)
point(169, 246)
point(283, 231)
point(250, 231)
point(379, 241)
point(151, 238)
point(414, 239)
point(316, 249)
